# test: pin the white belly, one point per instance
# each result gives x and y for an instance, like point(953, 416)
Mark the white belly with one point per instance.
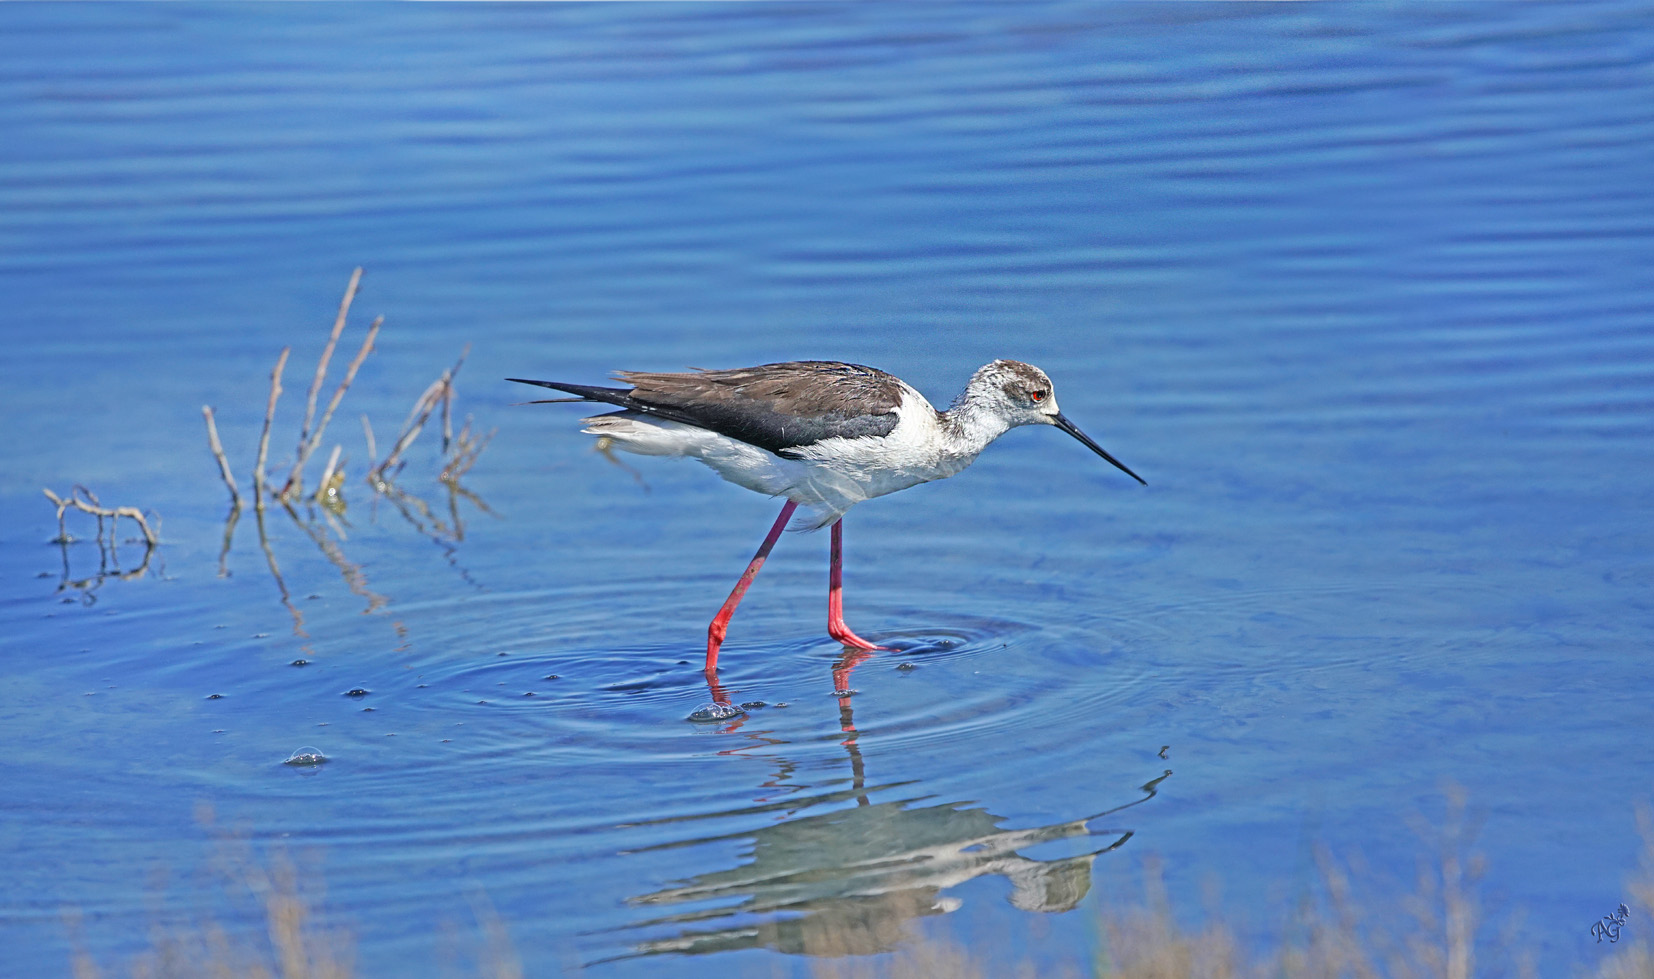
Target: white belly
point(828, 477)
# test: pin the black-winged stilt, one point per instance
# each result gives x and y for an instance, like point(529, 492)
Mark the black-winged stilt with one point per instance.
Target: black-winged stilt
point(823, 434)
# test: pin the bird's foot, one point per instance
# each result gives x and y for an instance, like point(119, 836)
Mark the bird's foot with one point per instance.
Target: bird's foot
point(841, 632)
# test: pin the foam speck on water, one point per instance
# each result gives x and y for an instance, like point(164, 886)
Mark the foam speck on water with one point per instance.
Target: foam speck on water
point(715, 712)
point(306, 756)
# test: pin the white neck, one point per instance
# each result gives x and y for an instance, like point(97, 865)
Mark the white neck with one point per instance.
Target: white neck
point(969, 426)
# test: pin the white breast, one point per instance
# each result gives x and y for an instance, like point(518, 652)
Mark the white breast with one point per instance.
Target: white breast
point(829, 477)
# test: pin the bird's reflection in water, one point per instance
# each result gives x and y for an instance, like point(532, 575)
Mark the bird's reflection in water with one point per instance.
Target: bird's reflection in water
point(846, 882)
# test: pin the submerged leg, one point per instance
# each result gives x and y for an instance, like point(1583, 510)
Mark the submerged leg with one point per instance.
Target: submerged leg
point(835, 595)
point(720, 623)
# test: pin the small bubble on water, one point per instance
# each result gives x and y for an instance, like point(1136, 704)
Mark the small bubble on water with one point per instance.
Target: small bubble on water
point(261, 635)
point(306, 756)
point(299, 662)
point(906, 667)
point(529, 694)
point(366, 709)
point(215, 696)
point(714, 712)
point(357, 692)
point(845, 692)
point(754, 705)
point(553, 676)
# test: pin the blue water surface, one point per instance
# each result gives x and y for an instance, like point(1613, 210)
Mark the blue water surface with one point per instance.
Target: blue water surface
point(1364, 292)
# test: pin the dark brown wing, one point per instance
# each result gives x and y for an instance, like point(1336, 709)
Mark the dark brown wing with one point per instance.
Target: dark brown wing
point(776, 406)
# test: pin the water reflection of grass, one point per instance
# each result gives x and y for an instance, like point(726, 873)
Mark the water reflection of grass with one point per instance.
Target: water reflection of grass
point(1347, 925)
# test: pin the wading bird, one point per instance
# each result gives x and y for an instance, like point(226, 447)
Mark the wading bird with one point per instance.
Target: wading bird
point(825, 435)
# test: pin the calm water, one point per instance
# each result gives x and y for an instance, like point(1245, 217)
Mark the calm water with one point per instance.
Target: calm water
point(1363, 292)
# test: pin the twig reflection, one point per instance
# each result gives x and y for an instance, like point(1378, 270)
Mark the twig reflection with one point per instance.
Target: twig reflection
point(109, 561)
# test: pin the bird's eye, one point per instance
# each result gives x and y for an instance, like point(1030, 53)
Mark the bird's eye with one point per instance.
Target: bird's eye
point(1037, 396)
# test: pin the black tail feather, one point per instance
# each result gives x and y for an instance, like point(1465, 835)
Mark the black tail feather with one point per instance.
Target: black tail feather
point(614, 396)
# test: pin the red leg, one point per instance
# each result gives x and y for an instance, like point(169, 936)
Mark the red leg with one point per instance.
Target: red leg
point(835, 595)
point(720, 623)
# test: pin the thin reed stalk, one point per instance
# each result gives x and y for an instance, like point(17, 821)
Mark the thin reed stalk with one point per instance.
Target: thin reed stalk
point(437, 393)
point(264, 438)
point(307, 449)
point(321, 362)
point(218, 453)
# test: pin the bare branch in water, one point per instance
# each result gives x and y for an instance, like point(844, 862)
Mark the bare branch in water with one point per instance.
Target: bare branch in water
point(465, 451)
point(327, 493)
point(367, 433)
point(218, 453)
point(438, 393)
point(321, 374)
point(92, 505)
point(410, 429)
point(264, 439)
point(307, 449)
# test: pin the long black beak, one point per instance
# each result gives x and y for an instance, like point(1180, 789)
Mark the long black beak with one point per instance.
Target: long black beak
point(1069, 427)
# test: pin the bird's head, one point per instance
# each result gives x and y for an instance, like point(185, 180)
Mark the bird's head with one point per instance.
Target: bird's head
point(1022, 394)
point(1019, 393)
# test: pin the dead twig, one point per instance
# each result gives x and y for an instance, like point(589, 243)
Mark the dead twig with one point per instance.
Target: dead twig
point(264, 439)
point(327, 493)
point(321, 372)
point(308, 448)
point(410, 429)
point(92, 505)
point(367, 433)
point(436, 394)
point(218, 453)
point(466, 448)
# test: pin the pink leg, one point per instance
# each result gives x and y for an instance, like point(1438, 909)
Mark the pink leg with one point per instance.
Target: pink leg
point(835, 595)
point(720, 623)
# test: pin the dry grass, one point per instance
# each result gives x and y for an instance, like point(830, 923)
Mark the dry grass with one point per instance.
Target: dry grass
point(1352, 925)
point(293, 946)
point(458, 454)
